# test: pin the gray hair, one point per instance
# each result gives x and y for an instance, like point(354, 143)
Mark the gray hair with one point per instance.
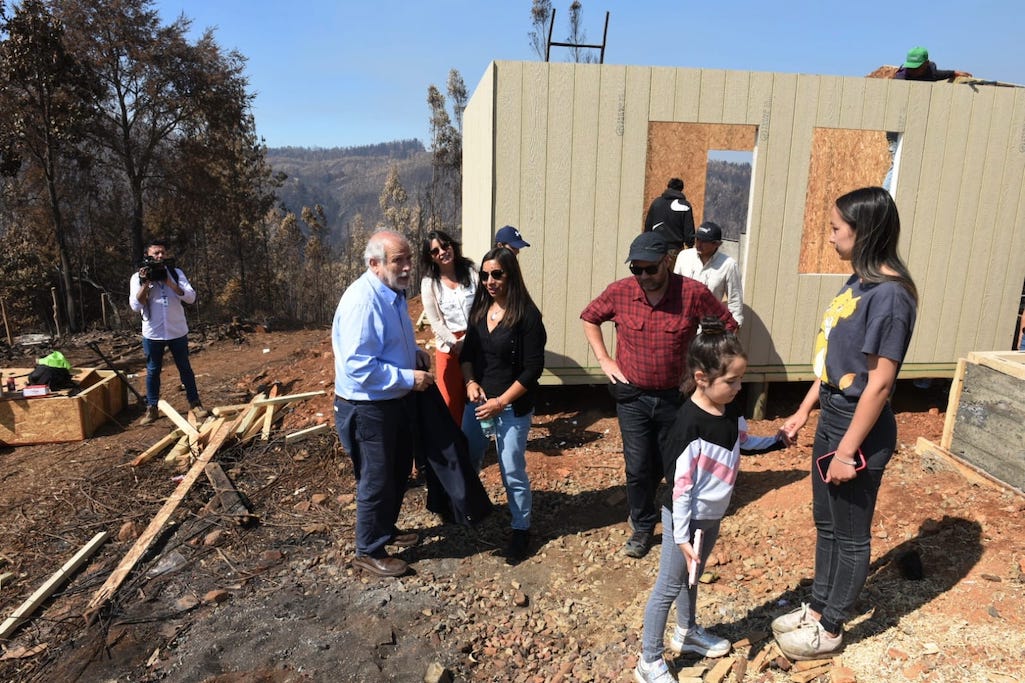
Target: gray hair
point(375, 249)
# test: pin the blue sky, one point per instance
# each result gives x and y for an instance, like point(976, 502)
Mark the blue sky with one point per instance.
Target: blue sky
point(330, 73)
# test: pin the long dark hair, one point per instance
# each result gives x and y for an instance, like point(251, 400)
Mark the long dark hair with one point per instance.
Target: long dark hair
point(517, 301)
point(463, 265)
point(873, 217)
point(711, 352)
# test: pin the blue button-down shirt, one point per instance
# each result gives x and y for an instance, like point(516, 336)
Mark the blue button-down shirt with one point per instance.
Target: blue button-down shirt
point(373, 342)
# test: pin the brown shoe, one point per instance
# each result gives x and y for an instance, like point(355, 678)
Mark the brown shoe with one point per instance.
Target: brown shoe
point(382, 566)
point(152, 415)
point(405, 540)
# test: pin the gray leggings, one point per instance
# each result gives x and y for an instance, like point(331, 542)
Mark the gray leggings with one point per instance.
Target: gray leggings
point(671, 585)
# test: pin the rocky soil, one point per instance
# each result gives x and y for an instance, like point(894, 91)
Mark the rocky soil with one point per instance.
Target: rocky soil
point(279, 600)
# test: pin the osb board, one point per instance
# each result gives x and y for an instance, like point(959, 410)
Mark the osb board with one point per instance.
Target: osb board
point(61, 418)
point(841, 160)
point(989, 427)
point(680, 150)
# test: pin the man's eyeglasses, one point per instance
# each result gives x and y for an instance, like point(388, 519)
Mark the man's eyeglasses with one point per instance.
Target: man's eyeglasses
point(495, 275)
point(650, 270)
point(437, 250)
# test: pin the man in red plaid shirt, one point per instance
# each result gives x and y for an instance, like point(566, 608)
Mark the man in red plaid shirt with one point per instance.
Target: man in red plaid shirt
point(656, 313)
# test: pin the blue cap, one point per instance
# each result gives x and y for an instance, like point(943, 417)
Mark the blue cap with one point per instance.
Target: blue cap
point(511, 236)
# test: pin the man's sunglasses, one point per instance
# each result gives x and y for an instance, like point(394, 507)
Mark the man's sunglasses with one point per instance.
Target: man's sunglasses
point(650, 270)
point(437, 250)
point(495, 275)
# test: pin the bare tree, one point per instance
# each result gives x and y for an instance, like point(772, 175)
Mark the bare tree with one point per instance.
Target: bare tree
point(540, 15)
point(578, 36)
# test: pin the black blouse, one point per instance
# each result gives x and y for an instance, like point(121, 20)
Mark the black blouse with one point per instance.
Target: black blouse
point(506, 355)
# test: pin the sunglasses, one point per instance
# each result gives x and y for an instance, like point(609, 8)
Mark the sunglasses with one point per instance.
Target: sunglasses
point(437, 250)
point(495, 275)
point(650, 270)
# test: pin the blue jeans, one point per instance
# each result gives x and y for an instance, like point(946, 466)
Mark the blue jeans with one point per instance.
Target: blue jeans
point(671, 585)
point(643, 422)
point(843, 512)
point(511, 443)
point(379, 438)
point(154, 350)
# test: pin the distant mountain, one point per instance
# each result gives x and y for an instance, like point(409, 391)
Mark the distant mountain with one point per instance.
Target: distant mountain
point(727, 189)
point(348, 181)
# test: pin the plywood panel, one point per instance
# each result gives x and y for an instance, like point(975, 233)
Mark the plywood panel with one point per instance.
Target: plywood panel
point(942, 313)
point(509, 161)
point(1010, 200)
point(553, 243)
point(841, 160)
point(852, 102)
point(688, 95)
point(765, 267)
point(584, 224)
point(663, 93)
point(713, 90)
point(973, 249)
point(874, 94)
point(735, 96)
point(827, 114)
point(534, 141)
point(478, 169)
point(60, 417)
point(606, 249)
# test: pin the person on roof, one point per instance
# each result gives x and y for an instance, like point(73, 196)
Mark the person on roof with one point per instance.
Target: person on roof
point(917, 67)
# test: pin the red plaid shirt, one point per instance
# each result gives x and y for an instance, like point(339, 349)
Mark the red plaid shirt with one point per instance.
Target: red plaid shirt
point(652, 341)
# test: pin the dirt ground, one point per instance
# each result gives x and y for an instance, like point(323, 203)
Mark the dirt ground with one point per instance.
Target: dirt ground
point(279, 601)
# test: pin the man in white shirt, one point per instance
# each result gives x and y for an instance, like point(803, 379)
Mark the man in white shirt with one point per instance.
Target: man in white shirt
point(157, 292)
point(719, 272)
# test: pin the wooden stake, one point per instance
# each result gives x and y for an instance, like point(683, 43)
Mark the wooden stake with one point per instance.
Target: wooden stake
point(719, 671)
point(157, 448)
point(179, 421)
point(273, 399)
point(306, 433)
point(47, 589)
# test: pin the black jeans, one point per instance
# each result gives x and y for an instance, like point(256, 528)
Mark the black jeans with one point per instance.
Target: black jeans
point(843, 512)
point(643, 421)
point(379, 438)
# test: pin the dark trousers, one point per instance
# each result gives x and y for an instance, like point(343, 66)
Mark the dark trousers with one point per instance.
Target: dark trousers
point(643, 422)
point(379, 438)
point(843, 513)
point(154, 350)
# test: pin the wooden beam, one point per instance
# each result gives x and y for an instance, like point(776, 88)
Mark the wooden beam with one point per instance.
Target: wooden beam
point(50, 587)
point(147, 537)
point(177, 419)
point(969, 471)
point(288, 398)
point(268, 417)
point(306, 433)
point(953, 401)
point(157, 448)
point(226, 494)
point(250, 414)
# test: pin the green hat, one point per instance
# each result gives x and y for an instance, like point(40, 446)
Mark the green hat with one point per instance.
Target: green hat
point(917, 56)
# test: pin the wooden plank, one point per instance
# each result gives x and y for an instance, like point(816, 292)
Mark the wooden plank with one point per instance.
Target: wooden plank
point(226, 494)
point(953, 398)
point(250, 415)
point(26, 608)
point(288, 398)
point(306, 433)
point(810, 674)
point(719, 671)
point(268, 417)
point(157, 448)
point(1006, 362)
point(179, 421)
point(966, 469)
point(147, 537)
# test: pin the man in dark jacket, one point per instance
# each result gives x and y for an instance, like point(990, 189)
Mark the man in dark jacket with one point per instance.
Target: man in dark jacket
point(671, 214)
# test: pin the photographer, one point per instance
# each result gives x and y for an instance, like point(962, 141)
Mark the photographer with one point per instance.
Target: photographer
point(157, 292)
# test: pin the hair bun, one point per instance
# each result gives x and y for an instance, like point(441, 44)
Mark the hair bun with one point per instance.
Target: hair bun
point(712, 326)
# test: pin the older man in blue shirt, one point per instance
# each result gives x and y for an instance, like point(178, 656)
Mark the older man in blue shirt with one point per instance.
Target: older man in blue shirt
point(377, 367)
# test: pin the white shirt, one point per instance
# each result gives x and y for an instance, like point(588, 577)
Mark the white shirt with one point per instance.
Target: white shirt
point(163, 317)
point(721, 275)
point(447, 310)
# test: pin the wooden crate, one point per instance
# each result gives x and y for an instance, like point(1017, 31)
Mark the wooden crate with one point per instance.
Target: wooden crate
point(61, 417)
point(985, 423)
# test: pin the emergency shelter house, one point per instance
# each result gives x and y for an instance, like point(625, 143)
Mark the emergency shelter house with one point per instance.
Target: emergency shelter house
point(572, 154)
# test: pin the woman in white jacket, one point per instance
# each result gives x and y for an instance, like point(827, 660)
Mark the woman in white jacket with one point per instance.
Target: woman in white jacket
point(446, 291)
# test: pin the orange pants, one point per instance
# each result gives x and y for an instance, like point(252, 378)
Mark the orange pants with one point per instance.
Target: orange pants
point(451, 383)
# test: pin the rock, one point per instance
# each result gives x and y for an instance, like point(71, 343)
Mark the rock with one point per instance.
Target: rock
point(896, 653)
point(520, 599)
point(216, 596)
point(841, 674)
point(436, 673)
point(128, 531)
point(318, 498)
point(185, 603)
point(214, 537)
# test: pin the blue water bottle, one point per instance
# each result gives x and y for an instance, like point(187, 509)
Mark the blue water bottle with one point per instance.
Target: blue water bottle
point(487, 426)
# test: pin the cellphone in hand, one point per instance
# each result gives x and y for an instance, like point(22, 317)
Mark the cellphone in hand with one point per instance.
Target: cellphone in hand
point(824, 460)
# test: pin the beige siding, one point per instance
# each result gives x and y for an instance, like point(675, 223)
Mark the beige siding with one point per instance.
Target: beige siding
point(565, 159)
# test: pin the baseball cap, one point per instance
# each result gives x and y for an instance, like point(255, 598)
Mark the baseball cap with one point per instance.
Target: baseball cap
point(511, 236)
point(648, 246)
point(917, 56)
point(708, 232)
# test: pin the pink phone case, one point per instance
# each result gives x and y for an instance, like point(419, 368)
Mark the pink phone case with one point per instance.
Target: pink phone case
point(824, 460)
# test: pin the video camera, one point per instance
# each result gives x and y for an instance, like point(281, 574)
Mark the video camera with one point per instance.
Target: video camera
point(154, 270)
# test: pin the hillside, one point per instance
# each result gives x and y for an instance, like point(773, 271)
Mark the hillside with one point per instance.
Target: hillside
point(347, 181)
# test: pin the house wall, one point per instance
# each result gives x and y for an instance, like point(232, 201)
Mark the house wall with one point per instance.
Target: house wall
point(561, 152)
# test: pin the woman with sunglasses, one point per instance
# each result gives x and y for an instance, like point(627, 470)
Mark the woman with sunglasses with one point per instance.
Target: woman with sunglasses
point(502, 360)
point(447, 291)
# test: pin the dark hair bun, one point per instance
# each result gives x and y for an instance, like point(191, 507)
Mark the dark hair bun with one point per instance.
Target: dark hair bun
point(712, 327)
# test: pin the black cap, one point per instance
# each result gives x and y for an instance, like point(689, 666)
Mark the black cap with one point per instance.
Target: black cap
point(648, 246)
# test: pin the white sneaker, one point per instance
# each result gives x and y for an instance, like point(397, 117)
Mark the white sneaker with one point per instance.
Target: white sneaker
point(653, 672)
point(699, 641)
point(791, 621)
point(809, 641)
